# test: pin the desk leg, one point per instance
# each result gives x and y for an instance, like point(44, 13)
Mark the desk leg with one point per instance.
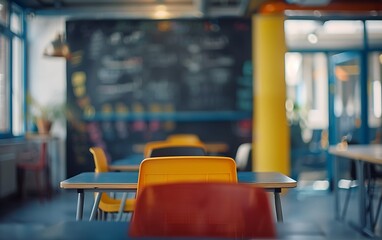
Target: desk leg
point(122, 206)
point(80, 204)
point(361, 193)
point(279, 211)
point(95, 205)
point(335, 188)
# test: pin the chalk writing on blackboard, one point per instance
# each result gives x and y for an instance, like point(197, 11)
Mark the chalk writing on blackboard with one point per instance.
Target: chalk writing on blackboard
point(193, 65)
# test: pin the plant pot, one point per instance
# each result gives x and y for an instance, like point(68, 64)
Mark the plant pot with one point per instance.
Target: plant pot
point(43, 126)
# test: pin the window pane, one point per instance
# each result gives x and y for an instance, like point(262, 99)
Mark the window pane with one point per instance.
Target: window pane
point(4, 12)
point(375, 89)
point(17, 88)
point(374, 33)
point(16, 20)
point(4, 86)
point(334, 34)
point(307, 89)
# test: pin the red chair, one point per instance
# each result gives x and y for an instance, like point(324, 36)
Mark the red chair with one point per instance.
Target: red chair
point(40, 168)
point(202, 209)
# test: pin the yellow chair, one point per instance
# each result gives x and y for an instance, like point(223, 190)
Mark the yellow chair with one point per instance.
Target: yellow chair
point(184, 137)
point(108, 204)
point(150, 146)
point(186, 169)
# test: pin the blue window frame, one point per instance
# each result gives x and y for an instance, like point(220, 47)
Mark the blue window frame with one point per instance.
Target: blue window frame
point(12, 67)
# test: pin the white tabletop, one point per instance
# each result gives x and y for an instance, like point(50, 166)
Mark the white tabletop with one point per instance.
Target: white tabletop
point(371, 153)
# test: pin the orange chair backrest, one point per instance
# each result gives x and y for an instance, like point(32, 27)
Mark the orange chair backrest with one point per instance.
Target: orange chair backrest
point(235, 211)
point(100, 160)
point(186, 169)
point(163, 144)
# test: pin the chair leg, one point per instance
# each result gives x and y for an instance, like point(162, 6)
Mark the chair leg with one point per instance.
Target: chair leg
point(48, 185)
point(20, 182)
point(378, 211)
point(39, 187)
point(99, 214)
point(346, 203)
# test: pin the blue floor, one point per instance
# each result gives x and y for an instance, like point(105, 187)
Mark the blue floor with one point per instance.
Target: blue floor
point(299, 205)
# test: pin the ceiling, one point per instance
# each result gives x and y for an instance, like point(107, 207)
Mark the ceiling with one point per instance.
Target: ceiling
point(169, 8)
point(142, 8)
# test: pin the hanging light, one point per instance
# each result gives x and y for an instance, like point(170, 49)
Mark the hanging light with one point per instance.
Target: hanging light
point(57, 48)
point(312, 38)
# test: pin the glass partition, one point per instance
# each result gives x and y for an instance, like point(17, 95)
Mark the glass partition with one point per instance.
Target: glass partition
point(307, 109)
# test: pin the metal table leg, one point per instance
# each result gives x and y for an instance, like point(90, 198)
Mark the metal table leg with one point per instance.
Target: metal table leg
point(335, 188)
point(361, 193)
point(121, 207)
point(279, 212)
point(80, 204)
point(95, 205)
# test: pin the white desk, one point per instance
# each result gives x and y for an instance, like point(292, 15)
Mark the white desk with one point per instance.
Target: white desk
point(127, 181)
point(361, 154)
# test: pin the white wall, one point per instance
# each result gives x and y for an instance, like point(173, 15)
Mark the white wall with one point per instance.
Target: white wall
point(47, 75)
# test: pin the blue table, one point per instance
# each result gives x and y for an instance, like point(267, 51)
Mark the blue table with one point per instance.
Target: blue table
point(363, 155)
point(130, 163)
point(127, 181)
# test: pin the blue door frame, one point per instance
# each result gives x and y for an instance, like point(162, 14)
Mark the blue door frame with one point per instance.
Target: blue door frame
point(363, 130)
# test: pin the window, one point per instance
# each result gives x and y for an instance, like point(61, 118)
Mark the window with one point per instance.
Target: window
point(332, 34)
point(375, 90)
point(307, 88)
point(12, 89)
point(374, 33)
point(17, 88)
point(4, 10)
point(4, 86)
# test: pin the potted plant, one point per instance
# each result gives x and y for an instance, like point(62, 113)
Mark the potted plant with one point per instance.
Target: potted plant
point(44, 115)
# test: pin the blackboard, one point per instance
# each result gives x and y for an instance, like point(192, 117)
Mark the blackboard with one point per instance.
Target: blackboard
point(148, 66)
point(135, 70)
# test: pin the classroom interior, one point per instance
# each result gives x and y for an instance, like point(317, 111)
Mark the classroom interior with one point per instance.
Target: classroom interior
point(288, 78)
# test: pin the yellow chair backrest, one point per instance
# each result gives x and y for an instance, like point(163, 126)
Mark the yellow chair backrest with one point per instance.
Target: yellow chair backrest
point(100, 160)
point(186, 169)
point(184, 138)
point(165, 144)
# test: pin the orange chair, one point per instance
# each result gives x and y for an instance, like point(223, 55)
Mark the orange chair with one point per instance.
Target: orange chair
point(40, 168)
point(150, 146)
point(108, 204)
point(228, 210)
point(186, 169)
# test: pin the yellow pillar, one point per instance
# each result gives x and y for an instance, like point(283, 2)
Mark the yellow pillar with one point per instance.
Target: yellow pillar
point(271, 132)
